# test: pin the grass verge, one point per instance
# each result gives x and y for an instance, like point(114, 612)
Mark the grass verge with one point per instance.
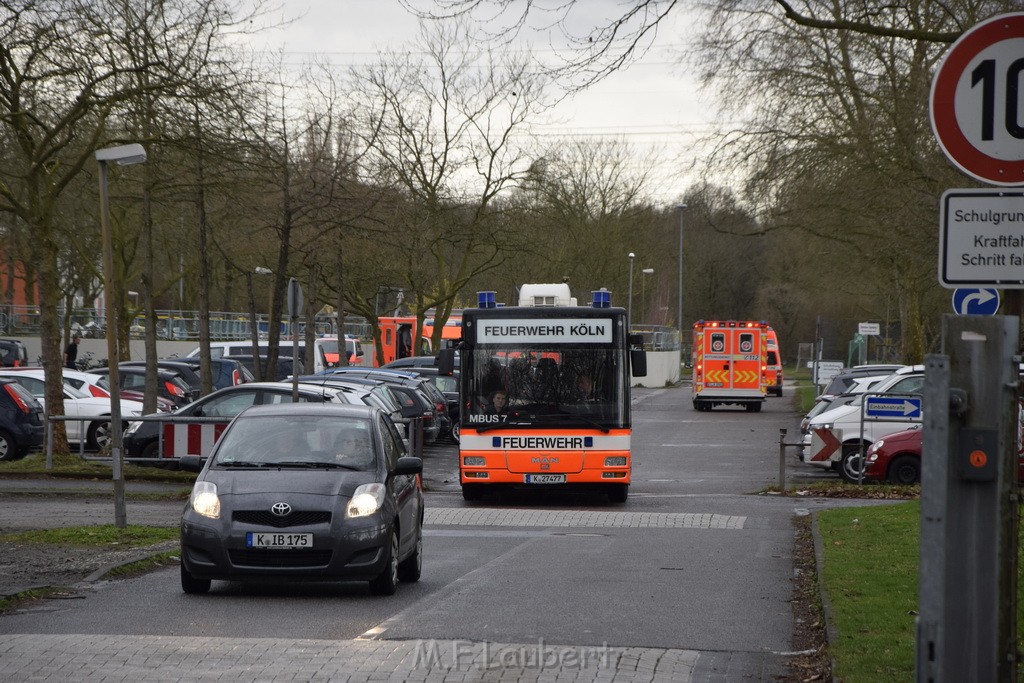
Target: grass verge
point(870, 575)
point(132, 536)
point(72, 466)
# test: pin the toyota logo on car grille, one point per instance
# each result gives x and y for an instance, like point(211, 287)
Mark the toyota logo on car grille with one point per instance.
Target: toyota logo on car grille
point(281, 509)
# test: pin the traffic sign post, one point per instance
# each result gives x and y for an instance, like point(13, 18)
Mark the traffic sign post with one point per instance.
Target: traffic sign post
point(974, 103)
point(981, 238)
point(975, 301)
point(893, 406)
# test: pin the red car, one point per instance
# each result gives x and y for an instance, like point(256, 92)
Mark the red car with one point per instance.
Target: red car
point(896, 458)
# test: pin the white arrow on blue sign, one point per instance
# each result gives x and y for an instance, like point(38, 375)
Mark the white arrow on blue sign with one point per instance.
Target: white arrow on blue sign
point(882, 406)
point(975, 301)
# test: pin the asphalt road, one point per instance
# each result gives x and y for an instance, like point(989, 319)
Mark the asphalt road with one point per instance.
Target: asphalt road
point(694, 570)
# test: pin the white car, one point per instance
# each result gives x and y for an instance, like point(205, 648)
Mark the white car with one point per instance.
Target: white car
point(99, 386)
point(837, 434)
point(95, 433)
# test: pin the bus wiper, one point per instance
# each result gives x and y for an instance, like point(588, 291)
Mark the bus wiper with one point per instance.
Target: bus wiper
point(499, 425)
point(239, 463)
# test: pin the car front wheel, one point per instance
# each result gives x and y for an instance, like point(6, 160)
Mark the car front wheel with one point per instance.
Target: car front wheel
point(410, 568)
point(387, 582)
point(850, 467)
point(191, 584)
point(905, 469)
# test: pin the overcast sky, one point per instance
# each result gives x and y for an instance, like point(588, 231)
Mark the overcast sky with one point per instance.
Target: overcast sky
point(652, 104)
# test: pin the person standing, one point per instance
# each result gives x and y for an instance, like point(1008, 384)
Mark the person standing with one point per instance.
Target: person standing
point(71, 352)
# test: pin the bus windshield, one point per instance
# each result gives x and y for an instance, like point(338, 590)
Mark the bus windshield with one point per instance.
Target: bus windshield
point(531, 386)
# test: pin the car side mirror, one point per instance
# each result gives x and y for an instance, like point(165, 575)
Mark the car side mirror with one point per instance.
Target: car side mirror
point(445, 362)
point(409, 464)
point(191, 463)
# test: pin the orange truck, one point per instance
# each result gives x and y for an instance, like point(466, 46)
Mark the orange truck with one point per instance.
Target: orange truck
point(730, 364)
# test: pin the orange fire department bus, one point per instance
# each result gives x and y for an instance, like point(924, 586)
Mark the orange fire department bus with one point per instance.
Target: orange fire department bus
point(545, 394)
point(729, 364)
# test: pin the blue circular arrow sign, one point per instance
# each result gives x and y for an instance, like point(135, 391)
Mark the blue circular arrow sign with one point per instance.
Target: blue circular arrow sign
point(975, 301)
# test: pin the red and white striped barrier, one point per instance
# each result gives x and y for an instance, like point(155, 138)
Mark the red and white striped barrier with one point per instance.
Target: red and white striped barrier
point(191, 439)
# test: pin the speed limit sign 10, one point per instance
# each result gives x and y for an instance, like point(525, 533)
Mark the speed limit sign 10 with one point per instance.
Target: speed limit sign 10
point(977, 101)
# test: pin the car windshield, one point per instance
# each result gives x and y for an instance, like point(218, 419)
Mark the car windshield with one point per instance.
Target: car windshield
point(298, 441)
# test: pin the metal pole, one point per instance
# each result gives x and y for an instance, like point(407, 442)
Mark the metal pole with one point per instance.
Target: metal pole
point(782, 460)
point(679, 294)
point(629, 306)
point(116, 455)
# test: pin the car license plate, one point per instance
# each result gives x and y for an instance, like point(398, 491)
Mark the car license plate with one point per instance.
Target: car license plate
point(258, 540)
point(544, 478)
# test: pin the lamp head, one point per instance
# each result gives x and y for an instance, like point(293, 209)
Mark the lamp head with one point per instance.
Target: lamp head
point(124, 155)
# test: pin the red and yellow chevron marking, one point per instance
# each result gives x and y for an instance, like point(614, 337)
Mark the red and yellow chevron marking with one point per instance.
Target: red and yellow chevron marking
point(746, 376)
point(717, 376)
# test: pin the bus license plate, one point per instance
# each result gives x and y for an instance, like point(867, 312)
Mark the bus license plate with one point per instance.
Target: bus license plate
point(258, 540)
point(544, 478)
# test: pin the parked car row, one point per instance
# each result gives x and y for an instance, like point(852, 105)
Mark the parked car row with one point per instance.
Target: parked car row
point(406, 398)
point(838, 434)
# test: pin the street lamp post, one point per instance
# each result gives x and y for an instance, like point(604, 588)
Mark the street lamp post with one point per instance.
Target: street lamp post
point(679, 294)
point(629, 305)
point(123, 155)
point(643, 292)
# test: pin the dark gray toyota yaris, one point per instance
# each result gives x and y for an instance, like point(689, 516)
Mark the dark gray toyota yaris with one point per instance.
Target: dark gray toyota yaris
point(305, 491)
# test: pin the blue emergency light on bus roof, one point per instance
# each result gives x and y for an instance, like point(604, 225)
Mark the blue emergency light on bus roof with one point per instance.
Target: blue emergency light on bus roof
point(602, 298)
point(485, 300)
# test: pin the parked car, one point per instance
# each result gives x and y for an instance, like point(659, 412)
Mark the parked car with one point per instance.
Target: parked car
point(394, 405)
point(896, 458)
point(305, 492)
point(448, 385)
point(418, 397)
point(98, 386)
point(142, 439)
point(285, 366)
point(188, 372)
point(226, 372)
point(417, 361)
point(21, 420)
point(13, 353)
point(169, 383)
point(77, 404)
point(842, 382)
point(837, 436)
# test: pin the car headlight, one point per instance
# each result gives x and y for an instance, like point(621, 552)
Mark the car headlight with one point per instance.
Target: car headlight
point(615, 461)
point(366, 500)
point(824, 425)
point(132, 428)
point(205, 500)
point(873, 457)
point(876, 445)
point(474, 461)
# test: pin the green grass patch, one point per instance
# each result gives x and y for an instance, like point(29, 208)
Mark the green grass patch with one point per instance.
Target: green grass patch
point(155, 561)
point(19, 599)
point(72, 466)
point(870, 576)
point(93, 536)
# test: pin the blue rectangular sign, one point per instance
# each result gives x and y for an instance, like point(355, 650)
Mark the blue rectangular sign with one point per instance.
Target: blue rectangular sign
point(894, 406)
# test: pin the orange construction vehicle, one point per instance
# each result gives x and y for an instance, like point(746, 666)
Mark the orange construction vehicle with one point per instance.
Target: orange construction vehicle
point(729, 364)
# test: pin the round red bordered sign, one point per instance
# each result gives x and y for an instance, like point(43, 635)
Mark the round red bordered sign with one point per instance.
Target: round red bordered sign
point(977, 101)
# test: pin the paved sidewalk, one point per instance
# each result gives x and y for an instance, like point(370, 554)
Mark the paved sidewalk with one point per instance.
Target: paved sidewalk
point(28, 657)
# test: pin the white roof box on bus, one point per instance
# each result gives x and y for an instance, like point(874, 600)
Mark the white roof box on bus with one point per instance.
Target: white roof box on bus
point(555, 294)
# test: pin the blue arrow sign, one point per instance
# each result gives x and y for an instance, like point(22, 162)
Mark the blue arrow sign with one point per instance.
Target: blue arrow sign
point(883, 406)
point(975, 301)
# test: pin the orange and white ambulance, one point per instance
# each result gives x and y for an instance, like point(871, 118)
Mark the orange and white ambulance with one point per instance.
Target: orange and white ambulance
point(729, 364)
